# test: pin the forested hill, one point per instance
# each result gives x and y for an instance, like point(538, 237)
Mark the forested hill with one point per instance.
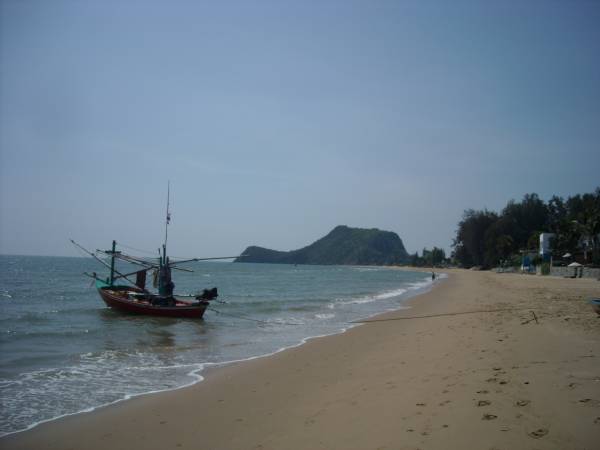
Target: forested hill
point(343, 245)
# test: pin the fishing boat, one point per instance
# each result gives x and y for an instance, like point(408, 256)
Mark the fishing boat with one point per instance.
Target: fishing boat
point(135, 297)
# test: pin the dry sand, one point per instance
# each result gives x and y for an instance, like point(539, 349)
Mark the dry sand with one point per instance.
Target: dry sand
point(456, 380)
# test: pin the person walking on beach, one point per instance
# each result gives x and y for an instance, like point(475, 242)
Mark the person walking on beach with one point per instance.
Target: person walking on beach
point(432, 276)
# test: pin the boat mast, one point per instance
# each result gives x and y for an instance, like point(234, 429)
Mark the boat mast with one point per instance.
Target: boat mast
point(168, 219)
point(164, 272)
point(112, 262)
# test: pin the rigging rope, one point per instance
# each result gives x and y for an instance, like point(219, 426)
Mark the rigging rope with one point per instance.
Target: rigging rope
point(154, 253)
point(81, 252)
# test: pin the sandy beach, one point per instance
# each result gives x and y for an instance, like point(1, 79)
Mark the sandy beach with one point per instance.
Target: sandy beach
point(483, 360)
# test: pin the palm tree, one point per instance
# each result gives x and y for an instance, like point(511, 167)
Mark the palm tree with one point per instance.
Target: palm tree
point(589, 233)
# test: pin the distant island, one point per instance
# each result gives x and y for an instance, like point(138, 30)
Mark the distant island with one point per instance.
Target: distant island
point(343, 245)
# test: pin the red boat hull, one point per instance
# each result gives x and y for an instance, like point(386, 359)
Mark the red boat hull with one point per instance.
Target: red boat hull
point(117, 298)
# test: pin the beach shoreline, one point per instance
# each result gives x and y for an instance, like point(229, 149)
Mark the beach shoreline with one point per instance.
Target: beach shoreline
point(384, 294)
point(440, 374)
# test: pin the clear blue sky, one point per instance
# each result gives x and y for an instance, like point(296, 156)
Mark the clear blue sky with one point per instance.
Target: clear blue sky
point(277, 120)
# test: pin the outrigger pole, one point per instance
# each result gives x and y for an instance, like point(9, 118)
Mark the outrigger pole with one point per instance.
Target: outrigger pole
point(202, 259)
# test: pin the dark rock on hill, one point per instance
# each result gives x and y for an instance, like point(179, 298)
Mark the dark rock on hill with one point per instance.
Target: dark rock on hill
point(343, 245)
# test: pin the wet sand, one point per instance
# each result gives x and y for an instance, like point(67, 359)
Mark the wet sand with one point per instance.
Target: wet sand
point(467, 366)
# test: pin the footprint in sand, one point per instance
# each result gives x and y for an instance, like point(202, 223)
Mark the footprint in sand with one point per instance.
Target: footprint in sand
point(597, 420)
point(523, 402)
point(421, 404)
point(483, 392)
point(483, 403)
point(489, 417)
point(539, 433)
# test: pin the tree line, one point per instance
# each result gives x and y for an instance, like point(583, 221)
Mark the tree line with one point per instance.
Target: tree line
point(489, 239)
point(428, 258)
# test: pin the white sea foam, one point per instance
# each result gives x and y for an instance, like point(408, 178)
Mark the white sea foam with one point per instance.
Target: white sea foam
point(286, 321)
point(368, 269)
point(390, 294)
point(324, 316)
point(375, 297)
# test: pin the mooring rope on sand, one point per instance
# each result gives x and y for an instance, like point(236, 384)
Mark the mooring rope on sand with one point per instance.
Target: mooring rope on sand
point(440, 315)
point(391, 319)
point(250, 318)
point(236, 316)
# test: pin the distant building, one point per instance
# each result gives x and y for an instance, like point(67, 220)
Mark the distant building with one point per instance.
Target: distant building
point(545, 249)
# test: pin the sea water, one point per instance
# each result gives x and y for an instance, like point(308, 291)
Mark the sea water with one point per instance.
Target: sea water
point(62, 351)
